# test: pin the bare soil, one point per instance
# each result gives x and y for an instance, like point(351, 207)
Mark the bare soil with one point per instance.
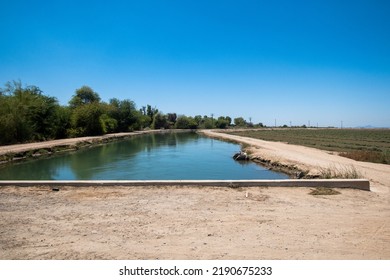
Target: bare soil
point(192, 223)
point(202, 222)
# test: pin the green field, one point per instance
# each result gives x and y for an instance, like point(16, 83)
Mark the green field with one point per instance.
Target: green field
point(372, 145)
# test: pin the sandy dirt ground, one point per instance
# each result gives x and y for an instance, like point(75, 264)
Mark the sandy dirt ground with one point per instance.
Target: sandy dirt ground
point(201, 222)
point(191, 223)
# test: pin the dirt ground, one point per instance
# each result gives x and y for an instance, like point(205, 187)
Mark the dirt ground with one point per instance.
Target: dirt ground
point(201, 222)
point(192, 223)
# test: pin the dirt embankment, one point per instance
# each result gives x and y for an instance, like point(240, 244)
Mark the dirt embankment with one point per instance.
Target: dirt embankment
point(21, 151)
point(308, 159)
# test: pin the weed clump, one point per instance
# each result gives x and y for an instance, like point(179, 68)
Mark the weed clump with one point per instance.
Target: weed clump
point(343, 172)
point(324, 191)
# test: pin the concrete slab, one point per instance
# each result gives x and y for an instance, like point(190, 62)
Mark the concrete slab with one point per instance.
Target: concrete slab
point(361, 184)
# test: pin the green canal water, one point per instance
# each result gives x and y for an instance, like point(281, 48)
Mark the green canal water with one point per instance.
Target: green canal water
point(166, 156)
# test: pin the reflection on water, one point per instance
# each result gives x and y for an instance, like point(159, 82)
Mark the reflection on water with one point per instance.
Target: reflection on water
point(175, 156)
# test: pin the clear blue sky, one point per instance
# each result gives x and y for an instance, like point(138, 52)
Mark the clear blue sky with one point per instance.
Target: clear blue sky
point(319, 61)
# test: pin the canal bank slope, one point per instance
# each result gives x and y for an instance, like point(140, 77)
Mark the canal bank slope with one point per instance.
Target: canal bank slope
point(309, 160)
point(22, 151)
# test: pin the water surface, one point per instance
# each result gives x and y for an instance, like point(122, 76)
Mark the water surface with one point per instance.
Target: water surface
point(167, 156)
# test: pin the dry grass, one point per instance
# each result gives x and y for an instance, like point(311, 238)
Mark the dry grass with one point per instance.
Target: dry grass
point(369, 156)
point(341, 172)
point(324, 191)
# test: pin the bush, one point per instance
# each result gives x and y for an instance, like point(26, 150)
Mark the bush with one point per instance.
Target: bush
point(86, 120)
point(26, 114)
point(184, 122)
point(109, 124)
point(160, 121)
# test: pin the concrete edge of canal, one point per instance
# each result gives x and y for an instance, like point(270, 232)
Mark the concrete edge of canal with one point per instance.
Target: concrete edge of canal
point(361, 184)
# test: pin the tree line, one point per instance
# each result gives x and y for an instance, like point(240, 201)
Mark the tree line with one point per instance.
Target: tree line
point(27, 115)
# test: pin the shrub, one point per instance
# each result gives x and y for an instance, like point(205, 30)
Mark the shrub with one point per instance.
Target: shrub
point(343, 172)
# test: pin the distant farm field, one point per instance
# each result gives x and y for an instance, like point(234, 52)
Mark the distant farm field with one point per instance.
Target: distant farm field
point(372, 145)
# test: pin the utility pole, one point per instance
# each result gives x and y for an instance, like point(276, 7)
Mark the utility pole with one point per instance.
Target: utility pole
point(341, 124)
point(275, 122)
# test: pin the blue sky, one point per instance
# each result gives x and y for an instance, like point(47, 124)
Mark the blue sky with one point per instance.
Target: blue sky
point(293, 61)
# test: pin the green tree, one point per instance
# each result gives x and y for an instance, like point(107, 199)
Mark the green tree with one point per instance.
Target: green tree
point(89, 117)
point(222, 122)
point(63, 122)
point(142, 121)
point(125, 113)
point(160, 121)
point(87, 121)
point(192, 123)
point(43, 115)
point(198, 120)
point(9, 120)
point(184, 122)
point(229, 120)
point(240, 122)
point(84, 95)
point(151, 112)
point(26, 114)
point(109, 124)
point(171, 117)
point(207, 123)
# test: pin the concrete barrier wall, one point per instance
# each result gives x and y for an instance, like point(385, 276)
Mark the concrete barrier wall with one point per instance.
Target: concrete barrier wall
point(361, 184)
